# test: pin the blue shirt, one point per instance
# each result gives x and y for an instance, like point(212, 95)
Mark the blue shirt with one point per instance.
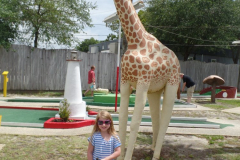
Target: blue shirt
point(103, 148)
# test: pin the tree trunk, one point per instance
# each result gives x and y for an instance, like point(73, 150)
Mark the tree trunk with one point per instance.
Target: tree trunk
point(36, 39)
point(213, 93)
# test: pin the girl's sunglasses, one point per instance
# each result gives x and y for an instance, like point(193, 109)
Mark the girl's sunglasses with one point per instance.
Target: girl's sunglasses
point(105, 122)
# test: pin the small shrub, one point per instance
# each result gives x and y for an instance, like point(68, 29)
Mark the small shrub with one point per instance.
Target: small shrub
point(64, 110)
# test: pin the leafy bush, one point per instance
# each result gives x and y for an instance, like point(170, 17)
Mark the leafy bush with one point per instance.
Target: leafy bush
point(64, 110)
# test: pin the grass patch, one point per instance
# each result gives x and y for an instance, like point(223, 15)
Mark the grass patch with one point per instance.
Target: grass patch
point(212, 139)
point(233, 103)
point(216, 106)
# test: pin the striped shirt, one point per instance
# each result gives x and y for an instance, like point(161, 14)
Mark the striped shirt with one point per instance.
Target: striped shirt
point(103, 148)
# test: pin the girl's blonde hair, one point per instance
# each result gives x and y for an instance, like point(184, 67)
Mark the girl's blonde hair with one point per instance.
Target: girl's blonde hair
point(104, 115)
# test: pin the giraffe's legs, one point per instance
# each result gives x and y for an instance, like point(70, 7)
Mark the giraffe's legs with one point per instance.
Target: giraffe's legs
point(154, 100)
point(123, 116)
point(166, 113)
point(140, 101)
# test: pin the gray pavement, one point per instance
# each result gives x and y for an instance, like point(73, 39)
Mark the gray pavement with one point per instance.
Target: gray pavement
point(231, 130)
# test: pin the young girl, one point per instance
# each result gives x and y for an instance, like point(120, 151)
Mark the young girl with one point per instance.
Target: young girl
point(104, 144)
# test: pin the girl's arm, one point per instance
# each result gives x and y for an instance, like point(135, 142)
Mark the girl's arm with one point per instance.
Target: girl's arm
point(116, 153)
point(90, 151)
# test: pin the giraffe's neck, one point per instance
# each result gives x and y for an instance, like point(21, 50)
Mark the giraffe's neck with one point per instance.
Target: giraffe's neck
point(131, 24)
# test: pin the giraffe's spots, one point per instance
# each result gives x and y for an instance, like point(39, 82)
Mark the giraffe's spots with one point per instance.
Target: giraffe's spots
point(127, 64)
point(135, 72)
point(179, 69)
point(168, 63)
point(132, 40)
point(134, 66)
point(169, 70)
point(144, 72)
point(127, 52)
point(164, 57)
point(135, 53)
point(129, 10)
point(174, 71)
point(143, 43)
point(158, 41)
point(123, 21)
point(173, 55)
point(138, 59)
point(136, 40)
point(133, 46)
point(139, 66)
point(126, 58)
point(163, 67)
point(143, 52)
point(139, 33)
point(154, 64)
point(131, 28)
point(174, 66)
point(130, 69)
point(122, 70)
point(151, 56)
point(145, 77)
point(159, 69)
point(176, 62)
point(134, 34)
point(136, 26)
point(131, 59)
point(165, 50)
point(150, 37)
point(126, 22)
point(121, 1)
point(149, 72)
point(139, 73)
point(132, 19)
point(147, 67)
point(159, 59)
point(117, 1)
point(156, 46)
point(123, 9)
point(145, 60)
point(126, 31)
point(129, 74)
point(126, 4)
point(150, 44)
point(126, 69)
point(126, 16)
point(118, 6)
point(130, 34)
point(171, 61)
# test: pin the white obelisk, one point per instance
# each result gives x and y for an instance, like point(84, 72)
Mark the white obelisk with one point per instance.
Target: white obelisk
point(73, 89)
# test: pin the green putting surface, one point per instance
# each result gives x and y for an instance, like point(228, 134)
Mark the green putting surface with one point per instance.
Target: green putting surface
point(182, 121)
point(26, 115)
point(98, 100)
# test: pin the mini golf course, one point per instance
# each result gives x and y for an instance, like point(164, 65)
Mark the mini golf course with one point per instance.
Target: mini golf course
point(36, 117)
point(99, 99)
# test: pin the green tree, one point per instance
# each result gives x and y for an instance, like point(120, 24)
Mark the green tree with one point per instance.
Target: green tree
point(111, 37)
point(184, 24)
point(8, 21)
point(83, 46)
point(54, 20)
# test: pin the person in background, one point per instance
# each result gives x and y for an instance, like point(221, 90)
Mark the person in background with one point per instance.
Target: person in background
point(188, 82)
point(104, 143)
point(91, 81)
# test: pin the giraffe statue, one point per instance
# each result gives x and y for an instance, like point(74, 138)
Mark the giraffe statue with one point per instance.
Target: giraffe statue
point(152, 69)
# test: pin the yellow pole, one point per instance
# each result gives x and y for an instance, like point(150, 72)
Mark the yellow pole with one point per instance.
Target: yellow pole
point(5, 73)
point(0, 119)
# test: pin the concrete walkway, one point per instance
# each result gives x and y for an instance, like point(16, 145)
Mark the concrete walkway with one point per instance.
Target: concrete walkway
point(232, 130)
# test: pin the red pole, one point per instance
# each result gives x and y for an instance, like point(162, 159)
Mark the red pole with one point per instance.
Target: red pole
point(116, 98)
